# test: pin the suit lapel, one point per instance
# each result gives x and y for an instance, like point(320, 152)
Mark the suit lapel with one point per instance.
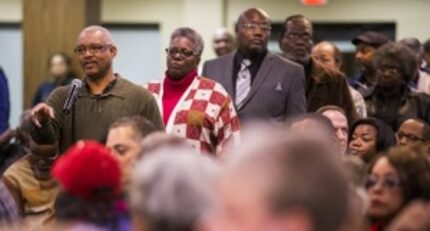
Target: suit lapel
point(262, 74)
point(228, 73)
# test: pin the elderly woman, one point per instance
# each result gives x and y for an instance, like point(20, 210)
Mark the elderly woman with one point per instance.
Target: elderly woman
point(193, 107)
point(395, 179)
point(392, 101)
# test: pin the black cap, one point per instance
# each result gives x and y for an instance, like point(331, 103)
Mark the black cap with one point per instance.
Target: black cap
point(372, 38)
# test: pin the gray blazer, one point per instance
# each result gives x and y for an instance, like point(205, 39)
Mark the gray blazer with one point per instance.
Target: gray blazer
point(278, 90)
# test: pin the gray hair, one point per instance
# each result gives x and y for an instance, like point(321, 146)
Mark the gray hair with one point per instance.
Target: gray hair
point(192, 35)
point(172, 188)
point(107, 34)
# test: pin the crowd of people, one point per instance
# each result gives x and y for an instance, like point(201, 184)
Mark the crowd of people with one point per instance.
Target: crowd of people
point(254, 141)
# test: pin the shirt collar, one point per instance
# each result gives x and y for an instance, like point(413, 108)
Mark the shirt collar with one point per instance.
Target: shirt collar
point(115, 88)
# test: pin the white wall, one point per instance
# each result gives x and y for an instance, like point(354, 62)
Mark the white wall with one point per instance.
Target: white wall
point(11, 62)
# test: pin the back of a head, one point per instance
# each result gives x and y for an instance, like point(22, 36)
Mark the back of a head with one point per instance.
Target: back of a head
point(172, 188)
point(140, 125)
point(299, 173)
point(413, 43)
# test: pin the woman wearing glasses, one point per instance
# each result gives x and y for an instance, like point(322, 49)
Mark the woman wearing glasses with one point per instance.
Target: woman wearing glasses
point(392, 99)
point(396, 179)
point(193, 107)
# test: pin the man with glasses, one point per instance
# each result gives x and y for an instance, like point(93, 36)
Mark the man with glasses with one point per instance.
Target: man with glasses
point(263, 85)
point(413, 131)
point(324, 85)
point(104, 97)
point(193, 107)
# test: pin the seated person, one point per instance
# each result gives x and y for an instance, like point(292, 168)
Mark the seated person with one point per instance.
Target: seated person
point(31, 185)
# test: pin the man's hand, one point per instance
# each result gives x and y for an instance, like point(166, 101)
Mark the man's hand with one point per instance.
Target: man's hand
point(41, 113)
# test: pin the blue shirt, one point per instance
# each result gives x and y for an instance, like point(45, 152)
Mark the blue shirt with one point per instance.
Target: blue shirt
point(4, 103)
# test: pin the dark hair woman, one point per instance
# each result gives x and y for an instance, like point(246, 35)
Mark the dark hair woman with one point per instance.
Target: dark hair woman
point(368, 137)
point(395, 179)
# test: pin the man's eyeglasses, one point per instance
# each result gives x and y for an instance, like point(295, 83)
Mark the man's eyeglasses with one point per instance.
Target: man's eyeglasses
point(413, 138)
point(389, 70)
point(296, 36)
point(253, 26)
point(93, 49)
point(182, 52)
point(389, 182)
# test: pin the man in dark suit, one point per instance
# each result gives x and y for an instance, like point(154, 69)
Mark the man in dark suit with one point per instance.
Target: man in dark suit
point(263, 85)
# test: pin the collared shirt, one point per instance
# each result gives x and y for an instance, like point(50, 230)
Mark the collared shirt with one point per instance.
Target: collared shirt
point(93, 114)
point(255, 66)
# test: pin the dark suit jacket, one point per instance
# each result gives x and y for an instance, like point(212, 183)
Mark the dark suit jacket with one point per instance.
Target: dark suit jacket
point(278, 90)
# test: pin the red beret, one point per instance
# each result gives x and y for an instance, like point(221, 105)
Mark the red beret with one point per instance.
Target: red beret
point(88, 171)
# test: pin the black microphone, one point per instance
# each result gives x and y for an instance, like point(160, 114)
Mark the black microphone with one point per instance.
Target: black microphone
point(75, 87)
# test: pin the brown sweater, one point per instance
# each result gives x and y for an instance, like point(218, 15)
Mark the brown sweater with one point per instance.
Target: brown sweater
point(93, 114)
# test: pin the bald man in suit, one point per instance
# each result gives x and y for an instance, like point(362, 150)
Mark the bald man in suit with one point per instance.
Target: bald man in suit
point(263, 85)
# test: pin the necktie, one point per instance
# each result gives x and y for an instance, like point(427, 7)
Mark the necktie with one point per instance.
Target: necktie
point(243, 82)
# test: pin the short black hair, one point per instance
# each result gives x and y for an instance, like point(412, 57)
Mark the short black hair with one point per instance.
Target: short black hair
point(426, 46)
point(401, 53)
point(385, 135)
point(295, 17)
point(141, 126)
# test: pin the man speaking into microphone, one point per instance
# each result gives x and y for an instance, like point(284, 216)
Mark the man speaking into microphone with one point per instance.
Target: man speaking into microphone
point(103, 98)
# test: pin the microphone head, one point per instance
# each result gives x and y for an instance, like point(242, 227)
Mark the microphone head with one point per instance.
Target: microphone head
point(77, 83)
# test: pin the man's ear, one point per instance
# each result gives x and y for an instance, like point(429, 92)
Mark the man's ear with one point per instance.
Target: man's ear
point(113, 50)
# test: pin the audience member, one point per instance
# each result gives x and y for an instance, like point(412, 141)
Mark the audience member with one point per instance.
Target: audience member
point(90, 182)
point(328, 54)
point(223, 42)
point(172, 189)
point(421, 80)
point(104, 97)
point(413, 131)
point(391, 100)
point(263, 85)
point(194, 107)
point(365, 47)
point(124, 140)
point(60, 74)
point(4, 103)
point(321, 128)
point(337, 117)
point(395, 179)
point(18, 143)
point(324, 86)
point(368, 137)
point(296, 184)
point(31, 185)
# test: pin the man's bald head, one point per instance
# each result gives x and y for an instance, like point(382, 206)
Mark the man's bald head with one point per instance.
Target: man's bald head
point(223, 42)
point(249, 13)
point(104, 33)
point(327, 53)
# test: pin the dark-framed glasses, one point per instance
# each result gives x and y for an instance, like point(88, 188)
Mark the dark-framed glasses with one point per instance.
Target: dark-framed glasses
point(254, 26)
point(410, 137)
point(389, 70)
point(93, 49)
point(296, 36)
point(181, 51)
point(389, 182)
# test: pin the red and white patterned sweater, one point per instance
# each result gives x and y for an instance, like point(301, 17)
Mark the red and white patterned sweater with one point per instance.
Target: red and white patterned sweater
point(204, 115)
